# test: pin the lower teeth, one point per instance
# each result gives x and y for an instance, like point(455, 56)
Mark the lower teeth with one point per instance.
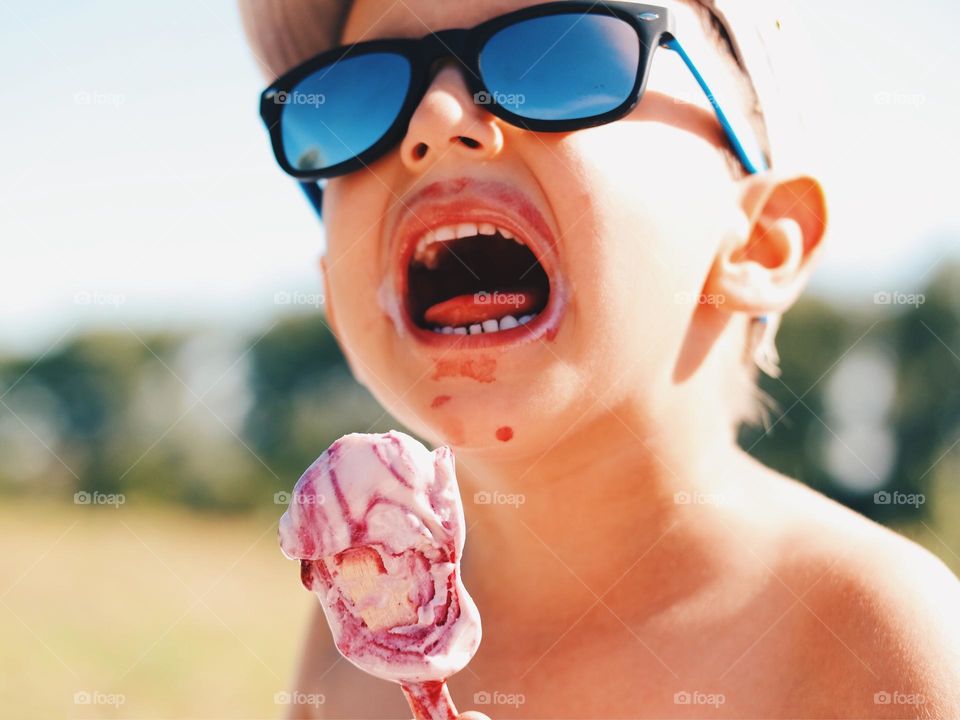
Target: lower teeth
point(487, 326)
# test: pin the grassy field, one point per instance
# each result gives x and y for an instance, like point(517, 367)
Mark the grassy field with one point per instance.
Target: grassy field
point(180, 615)
point(174, 614)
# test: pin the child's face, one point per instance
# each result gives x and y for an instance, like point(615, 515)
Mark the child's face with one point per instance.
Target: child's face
point(625, 219)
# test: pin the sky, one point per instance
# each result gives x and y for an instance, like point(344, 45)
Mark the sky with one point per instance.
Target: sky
point(137, 185)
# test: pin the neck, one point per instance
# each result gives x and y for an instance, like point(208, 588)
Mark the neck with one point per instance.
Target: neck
point(603, 495)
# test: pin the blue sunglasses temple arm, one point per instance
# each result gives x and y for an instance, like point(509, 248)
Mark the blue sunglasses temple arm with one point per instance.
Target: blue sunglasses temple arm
point(750, 154)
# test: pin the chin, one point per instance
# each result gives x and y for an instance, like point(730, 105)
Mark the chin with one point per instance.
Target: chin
point(512, 404)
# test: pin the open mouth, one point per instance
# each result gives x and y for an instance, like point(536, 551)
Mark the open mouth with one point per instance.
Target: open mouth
point(474, 278)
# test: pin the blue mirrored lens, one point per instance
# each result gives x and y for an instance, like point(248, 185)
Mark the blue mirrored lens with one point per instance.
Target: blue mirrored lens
point(561, 67)
point(342, 110)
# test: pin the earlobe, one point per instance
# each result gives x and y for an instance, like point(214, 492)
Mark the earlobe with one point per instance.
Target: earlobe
point(766, 270)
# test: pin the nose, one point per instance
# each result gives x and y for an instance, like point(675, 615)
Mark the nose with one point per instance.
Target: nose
point(449, 122)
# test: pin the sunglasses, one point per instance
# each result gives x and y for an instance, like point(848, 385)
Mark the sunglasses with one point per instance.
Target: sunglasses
point(556, 67)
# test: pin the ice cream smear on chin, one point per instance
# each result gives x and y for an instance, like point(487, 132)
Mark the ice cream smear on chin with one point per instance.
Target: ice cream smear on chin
point(377, 524)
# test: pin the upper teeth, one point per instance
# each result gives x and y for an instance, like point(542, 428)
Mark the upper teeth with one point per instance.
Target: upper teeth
point(427, 248)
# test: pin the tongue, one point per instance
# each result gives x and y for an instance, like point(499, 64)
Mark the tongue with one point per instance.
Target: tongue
point(477, 307)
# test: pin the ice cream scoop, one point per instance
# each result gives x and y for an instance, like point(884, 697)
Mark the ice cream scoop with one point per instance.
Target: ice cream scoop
point(377, 524)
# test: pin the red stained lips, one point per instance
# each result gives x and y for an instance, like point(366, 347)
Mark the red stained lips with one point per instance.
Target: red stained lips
point(467, 234)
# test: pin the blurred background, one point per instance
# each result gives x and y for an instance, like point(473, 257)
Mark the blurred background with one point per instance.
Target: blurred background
point(165, 368)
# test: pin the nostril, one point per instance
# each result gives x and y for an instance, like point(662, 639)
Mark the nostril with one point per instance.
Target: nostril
point(469, 142)
point(420, 151)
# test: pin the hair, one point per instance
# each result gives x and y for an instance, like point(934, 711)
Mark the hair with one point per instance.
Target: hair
point(718, 34)
point(284, 34)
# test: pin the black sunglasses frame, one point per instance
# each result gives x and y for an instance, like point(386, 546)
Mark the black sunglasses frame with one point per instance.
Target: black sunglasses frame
point(651, 24)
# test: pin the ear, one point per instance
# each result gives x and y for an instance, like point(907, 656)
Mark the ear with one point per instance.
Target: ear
point(766, 270)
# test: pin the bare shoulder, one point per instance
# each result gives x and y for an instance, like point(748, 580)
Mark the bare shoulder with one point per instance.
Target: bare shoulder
point(882, 620)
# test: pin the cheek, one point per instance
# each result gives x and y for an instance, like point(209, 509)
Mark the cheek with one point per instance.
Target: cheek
point(356, 268)
point(352, 288)
point(412, 386)
point(378, 359)
point(640, 243)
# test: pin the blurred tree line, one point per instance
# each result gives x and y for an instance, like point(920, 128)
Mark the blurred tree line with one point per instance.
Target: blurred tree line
point(867, 409)
point(868, 403)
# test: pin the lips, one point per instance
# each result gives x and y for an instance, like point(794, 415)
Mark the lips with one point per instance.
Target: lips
point(476, 265)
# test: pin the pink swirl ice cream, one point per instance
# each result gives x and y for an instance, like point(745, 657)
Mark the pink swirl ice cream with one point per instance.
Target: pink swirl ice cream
point(377, 524)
